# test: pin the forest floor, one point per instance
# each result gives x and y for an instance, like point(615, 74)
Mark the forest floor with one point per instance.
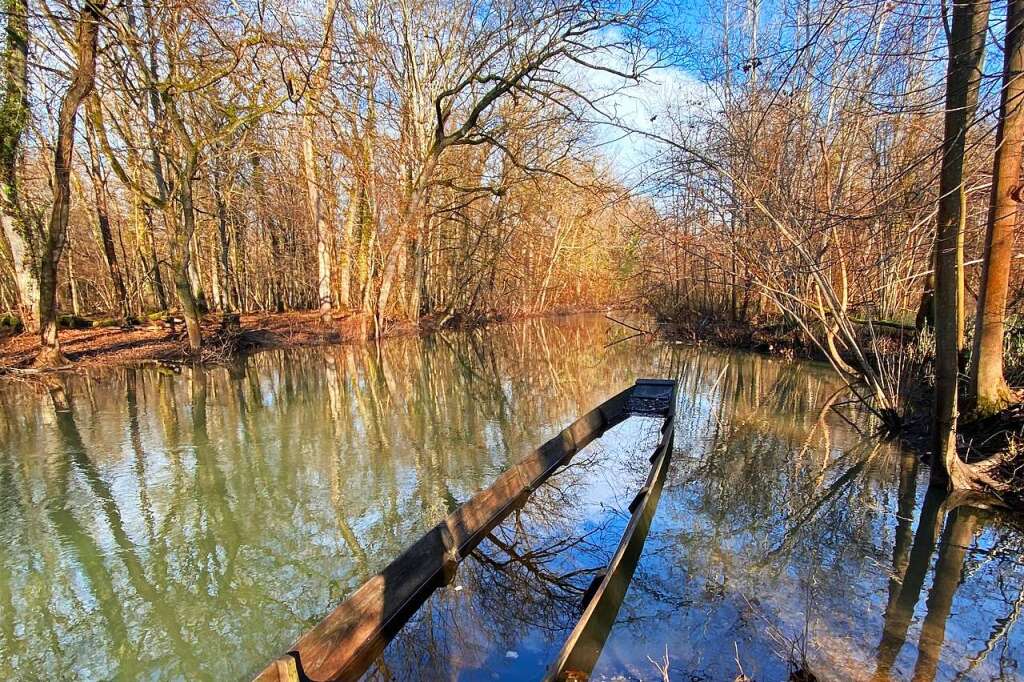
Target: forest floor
point(156, 342)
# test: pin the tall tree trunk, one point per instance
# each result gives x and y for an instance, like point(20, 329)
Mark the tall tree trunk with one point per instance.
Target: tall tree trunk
point(223, 249)
point(99, 188)
point(14, 118)
point(195, 277)
point(181, 257)
point(417, 295)
point(987, 386)
point(348, 240)
point(76, 295)
point(966, 48)
point(82, 81)
point(318, 217)
point(156, 280)
point(396, 254)
point(26, 276)
point(317, 212)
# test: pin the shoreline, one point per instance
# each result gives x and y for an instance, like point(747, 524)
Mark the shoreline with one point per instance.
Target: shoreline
point(978, 438)
point(153, 342)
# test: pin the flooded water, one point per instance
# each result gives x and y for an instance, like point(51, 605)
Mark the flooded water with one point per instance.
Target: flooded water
point(189, 526)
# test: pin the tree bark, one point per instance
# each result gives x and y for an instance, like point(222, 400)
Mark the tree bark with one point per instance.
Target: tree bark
point(988, 388)
point(156, 280)
point(963, 75)
point(348, 239)
point(224, 300)
point(99, 188)
point(181, 257)
point(82, 82)
point(25, 268)
point(14, 117)
point(317, 212)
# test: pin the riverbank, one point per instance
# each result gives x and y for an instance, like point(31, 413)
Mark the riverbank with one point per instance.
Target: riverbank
point(775, 340)
point(157, 341)
point(977, 439)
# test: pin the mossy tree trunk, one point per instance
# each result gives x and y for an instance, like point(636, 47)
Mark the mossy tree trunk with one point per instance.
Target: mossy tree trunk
point(14, 118)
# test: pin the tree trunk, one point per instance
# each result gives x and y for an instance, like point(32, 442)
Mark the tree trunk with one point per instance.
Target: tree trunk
point(966, 47)
point(76, 298)
point(195, 277)
point(25, 269)
point(156, 280)
point(318, 218)
point(182, 280)
point(13, 123)
point(348, 238)
point(99, 188)
point(223, 265)
point(987, 386)
point(419, 272)
point(82, 81)
point(317, 212)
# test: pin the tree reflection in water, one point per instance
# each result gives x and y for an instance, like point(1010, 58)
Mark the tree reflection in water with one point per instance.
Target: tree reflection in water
point(515, 599)
point(787, 540)
point(189, 525)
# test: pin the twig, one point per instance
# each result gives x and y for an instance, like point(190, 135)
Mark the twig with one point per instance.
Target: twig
point(629, 326)
point(662, 667)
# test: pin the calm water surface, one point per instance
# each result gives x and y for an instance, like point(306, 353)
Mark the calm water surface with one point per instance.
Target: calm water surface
point(190, 526)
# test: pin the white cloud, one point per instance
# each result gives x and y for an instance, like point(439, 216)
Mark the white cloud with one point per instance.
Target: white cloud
point(629, 109)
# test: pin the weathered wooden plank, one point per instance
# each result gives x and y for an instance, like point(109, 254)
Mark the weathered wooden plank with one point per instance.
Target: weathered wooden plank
point(614, 409)
point(351, 636)
point(587, 428)
point(283, 669)
point(471, 522)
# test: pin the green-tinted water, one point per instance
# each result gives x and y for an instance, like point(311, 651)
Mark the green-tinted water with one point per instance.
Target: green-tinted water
point(190, 526)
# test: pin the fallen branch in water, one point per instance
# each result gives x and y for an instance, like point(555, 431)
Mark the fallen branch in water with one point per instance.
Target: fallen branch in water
point(624, 338)
point(629, 326)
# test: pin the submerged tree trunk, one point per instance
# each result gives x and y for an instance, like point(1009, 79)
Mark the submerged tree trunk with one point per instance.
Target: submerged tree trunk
point(988, 388)
point(82, 82)
point(966, 48)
